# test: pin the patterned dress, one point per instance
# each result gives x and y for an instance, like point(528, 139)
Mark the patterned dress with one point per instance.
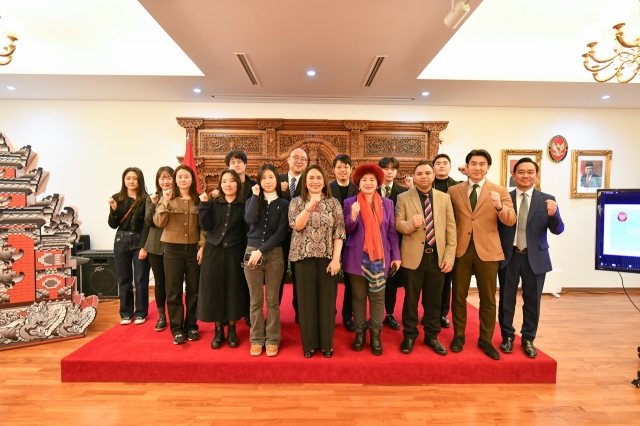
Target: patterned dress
point(325, 224)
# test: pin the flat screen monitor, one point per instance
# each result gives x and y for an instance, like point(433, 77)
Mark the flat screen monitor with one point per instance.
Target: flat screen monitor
point(618, 230)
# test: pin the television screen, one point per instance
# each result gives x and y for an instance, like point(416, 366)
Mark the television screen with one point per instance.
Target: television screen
point(618, 230)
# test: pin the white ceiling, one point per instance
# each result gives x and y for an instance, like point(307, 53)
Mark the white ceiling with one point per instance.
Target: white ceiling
point(506, 52)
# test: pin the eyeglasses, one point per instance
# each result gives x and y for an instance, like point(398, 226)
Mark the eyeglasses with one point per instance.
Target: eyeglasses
point(342, 167)
point(298, 158)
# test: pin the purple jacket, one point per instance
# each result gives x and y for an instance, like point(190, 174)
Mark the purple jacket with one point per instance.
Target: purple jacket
point(352, 252)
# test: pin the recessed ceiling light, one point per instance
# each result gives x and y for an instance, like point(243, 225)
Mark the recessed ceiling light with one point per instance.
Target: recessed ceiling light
point(425, 93)
point(11, 88)
point(196, 90)
point(311, 73)
point(606, 97)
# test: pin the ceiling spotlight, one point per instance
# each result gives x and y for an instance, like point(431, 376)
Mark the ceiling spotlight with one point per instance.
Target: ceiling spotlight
point(11, 88)
point(196, 90)
point(606, 97)
point(459, 9)
point(425, 93)
point(311, 73)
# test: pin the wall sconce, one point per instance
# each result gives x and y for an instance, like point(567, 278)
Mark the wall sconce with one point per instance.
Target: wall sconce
point(459, 9)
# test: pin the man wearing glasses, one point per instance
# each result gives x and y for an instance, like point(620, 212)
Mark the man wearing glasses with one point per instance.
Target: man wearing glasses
point(291, 187)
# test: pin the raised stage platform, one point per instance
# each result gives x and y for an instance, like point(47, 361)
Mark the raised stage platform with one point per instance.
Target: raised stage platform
point(139, 354)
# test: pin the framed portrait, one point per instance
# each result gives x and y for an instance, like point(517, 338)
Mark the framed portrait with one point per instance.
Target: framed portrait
point(589, 172)
point(509, 159)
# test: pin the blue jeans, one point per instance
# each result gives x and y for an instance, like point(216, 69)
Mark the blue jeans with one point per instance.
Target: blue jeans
point(126, 249)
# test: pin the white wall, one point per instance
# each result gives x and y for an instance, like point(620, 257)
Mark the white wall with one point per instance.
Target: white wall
point(86, 145)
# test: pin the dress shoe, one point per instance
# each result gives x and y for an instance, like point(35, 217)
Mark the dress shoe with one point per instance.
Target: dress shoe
point(507, 345)
point(349, 324)
point(444, 322)
point(359, 341)
point(488, 349)
point(179, 339)
point(218, 337)
point(407, 345)
point(376, 344)
point(309, 354)
point(232, 337)
point(435, 345)
point(161, 324)
point(328, 354)
point(391, 321)
point(529, 350)
point(457, 344)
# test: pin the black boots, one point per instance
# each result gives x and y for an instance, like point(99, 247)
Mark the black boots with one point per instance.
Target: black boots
point(358, 342)
point(376, 345)
point(218, 337)
point(232, 337)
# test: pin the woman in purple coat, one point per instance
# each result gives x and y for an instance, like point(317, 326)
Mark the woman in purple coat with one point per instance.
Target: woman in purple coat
point(371, 251)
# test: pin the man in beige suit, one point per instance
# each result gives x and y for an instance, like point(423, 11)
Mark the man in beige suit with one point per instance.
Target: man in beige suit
point(425, 217)
point(478, 204)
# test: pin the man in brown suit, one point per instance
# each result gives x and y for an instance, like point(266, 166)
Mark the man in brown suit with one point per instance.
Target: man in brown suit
point(478, 205)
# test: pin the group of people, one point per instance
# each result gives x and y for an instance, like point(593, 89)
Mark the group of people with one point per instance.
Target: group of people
point(231, 248)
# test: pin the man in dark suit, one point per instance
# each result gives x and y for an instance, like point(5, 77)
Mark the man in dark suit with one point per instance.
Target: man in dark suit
point(391, 190)
point(590, 179)
point(526, 253)
point(291, 187)
point(342, 188)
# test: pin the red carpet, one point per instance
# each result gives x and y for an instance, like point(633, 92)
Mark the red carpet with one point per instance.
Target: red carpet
point(138, 354)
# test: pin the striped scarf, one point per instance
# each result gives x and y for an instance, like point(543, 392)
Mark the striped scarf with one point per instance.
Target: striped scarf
point(373, 268)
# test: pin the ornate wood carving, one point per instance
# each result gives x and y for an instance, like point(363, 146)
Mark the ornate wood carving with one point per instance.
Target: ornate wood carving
point(269, 140)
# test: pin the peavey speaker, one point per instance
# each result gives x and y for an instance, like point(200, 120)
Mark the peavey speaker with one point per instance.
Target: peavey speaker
point(98, 275)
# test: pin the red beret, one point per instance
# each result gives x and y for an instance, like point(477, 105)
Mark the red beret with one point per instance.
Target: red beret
point(366, 168)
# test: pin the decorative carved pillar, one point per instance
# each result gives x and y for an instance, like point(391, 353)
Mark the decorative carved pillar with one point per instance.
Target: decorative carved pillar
point(312, 149)
point(433, 128)
point(356, 127)
point(191, 126)
point(270, 126)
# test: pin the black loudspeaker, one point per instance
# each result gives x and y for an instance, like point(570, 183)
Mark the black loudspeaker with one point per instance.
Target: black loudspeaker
point(83, 244)
point(98, 275)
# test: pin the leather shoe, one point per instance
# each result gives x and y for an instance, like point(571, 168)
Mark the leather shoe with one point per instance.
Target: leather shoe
point(349, 324)
point(391, 321)
point(488, 349)
point(529, 350)
point(507, 345)
point(444, 322)
point(437, 346)
point(407, 345)
point(457, 344)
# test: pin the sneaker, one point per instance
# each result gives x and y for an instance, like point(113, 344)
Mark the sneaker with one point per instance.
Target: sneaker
point(256, 350)
point(139, 320)
point(125, 321)
point(193, 335)
point(272, 350)
point(179, 339)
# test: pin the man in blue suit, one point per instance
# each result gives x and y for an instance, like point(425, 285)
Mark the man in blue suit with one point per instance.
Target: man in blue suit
point(526, 255)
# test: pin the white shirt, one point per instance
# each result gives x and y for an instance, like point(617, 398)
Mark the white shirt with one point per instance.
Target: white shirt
point(519, 193)
point(290, 176)
point(383, 189)
point(479, 189)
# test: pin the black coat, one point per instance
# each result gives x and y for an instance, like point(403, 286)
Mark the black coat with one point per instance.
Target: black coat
point(395, 190)
point(352, 190)
point(285, 194)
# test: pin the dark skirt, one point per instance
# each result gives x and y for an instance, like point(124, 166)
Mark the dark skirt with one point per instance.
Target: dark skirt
point(222, 283)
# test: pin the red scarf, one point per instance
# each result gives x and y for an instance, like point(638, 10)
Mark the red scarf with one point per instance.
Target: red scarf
point(372, 221)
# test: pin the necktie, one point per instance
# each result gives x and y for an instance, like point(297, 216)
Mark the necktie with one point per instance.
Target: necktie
point(523, 212)
point(587, 182)
point(473, 198)
point(292, 187)
point(387, 192)
point(428, 220)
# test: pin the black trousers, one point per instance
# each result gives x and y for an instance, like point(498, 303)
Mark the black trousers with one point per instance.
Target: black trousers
point(532, 284)
point(181, 264)
point(286, 246)
point(428, 279)
point(130, 269)
point(445, 304)
point(317, 292)
point(391, 291)
point(160, 291)
point(347, 302)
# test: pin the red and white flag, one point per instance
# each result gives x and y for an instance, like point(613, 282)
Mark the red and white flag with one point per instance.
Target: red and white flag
point(191, 162)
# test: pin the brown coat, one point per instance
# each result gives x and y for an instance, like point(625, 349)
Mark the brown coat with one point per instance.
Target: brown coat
point(483, 222)
point(412, 247)
point(180, 222)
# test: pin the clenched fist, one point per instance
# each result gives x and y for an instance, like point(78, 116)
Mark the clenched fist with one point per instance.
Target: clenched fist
point(495, 200)
point(204, 197)
point(166, 194)
point(552, 207)
point(154, 198)
point(417, 220)
point(284, 186)
point(215, 193)
point(256, 190)
point(113, 204)
point(355, 210)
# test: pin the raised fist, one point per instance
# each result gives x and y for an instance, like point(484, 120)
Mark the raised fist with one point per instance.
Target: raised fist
point(284, 186)
point(113, 204)
point(355, 210)
point(215, 193)
point(256, 189)
point(154, 198)
point(495, 200)
point(417, 220)
point(166, 194)
point(552, 207)
point(463, 170)
point(204, 197)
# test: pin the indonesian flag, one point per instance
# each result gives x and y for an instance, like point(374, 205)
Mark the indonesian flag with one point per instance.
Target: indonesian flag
point(191, 162)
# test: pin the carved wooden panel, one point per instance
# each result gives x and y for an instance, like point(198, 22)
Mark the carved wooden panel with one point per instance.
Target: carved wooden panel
point(270, 141)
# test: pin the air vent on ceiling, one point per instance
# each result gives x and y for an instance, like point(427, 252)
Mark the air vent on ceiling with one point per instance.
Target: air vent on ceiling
point(377, 64)
point(244, 61)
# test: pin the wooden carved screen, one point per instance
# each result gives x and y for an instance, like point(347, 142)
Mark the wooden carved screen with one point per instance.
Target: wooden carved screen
point(270, 140)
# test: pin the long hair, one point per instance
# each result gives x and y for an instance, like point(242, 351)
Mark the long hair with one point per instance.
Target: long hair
point(265, 168)
point(193, 189)
point(326, 191)
point(159, 173)
point(236, 177)
point(141, 195)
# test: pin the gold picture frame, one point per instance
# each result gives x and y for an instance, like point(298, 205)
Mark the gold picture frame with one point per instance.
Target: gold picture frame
point(583, 183)
point(510, 157)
